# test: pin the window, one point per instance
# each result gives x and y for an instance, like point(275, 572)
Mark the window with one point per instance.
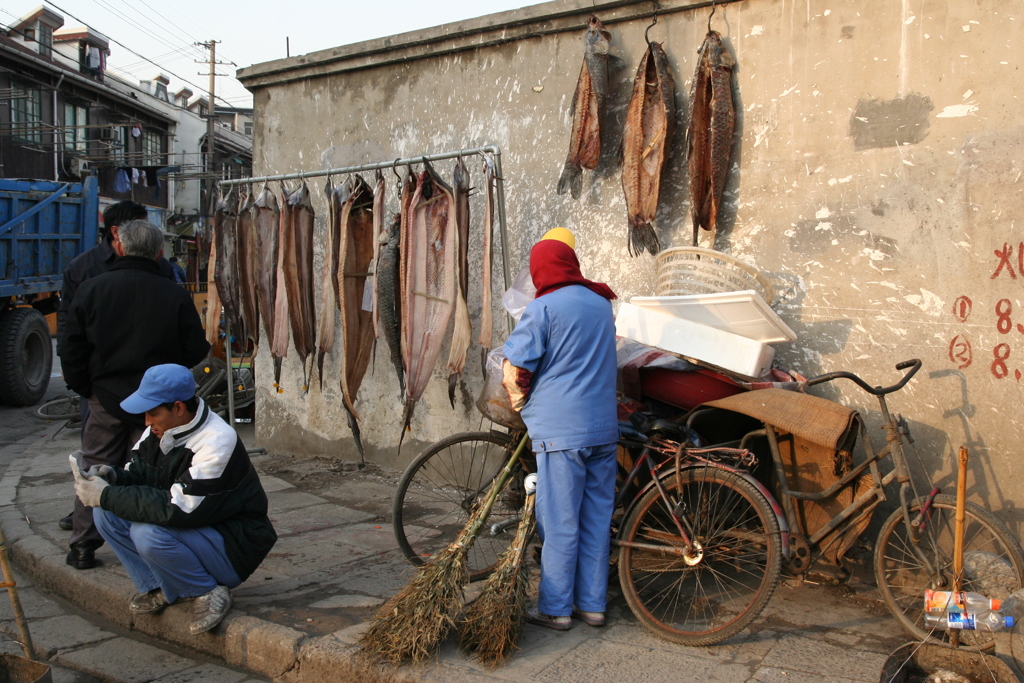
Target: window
point(76, 135)
point(27, 114)
point(152, 148)
point(247, 128)
point(161, 91)
point(45, 40)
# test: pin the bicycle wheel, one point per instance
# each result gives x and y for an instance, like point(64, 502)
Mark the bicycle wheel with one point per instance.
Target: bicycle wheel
point(726, 588)
point(993, 562)
point(63, 408)
point(442, 487)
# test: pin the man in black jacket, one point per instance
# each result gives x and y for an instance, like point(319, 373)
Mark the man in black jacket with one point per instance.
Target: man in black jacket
point(121, 323)
point(188, 515)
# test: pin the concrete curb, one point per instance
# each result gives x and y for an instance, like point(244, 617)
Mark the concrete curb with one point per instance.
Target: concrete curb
point(257, 645)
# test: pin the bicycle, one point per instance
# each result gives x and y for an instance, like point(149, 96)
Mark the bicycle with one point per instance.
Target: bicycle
point(702, 541)
point(63, 408)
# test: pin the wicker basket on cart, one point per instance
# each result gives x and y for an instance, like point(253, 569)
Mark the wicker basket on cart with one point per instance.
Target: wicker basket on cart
point(695, 270)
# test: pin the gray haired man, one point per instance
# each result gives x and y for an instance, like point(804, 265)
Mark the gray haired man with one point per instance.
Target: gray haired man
point(120, 324)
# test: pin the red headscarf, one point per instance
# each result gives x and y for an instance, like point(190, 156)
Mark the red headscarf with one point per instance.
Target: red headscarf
point(554, 265)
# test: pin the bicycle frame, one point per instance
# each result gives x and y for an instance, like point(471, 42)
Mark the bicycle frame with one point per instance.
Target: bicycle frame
point(657, 474)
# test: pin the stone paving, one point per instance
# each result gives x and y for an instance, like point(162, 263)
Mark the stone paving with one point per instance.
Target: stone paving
point(298, 617)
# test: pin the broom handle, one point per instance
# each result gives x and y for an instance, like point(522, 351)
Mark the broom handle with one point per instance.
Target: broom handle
point(499, 484)
point(958, 539)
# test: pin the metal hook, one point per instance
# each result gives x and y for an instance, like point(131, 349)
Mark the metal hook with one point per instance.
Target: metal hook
point(713, 8)
point(653, 23)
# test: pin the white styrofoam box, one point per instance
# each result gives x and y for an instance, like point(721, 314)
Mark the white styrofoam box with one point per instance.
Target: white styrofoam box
point(744, 313)
point(708, 345)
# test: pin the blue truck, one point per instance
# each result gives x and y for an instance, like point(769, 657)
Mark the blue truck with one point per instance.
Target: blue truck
point(43, 226)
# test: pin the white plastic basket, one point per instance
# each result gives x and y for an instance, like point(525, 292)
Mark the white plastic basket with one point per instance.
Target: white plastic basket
point(695, 270)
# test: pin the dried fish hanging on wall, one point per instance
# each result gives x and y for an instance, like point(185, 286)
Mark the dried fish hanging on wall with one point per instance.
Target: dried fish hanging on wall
point(428, 250)
point(212, 316)
point(379, 190)
point(356, 259)
point(462, 331)
point(587, 109)
point(710, 132)
point(329, 297)
point(266, 224)
point(646, 139)
point(388, 283)
point(246, 258)
point(486, 316)
point(295, 269)
point(226, 264)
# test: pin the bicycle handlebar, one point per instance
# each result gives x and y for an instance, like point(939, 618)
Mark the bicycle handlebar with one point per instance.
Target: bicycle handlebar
point(914, 364)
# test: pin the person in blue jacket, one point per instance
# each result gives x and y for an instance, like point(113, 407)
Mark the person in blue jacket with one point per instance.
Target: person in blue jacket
point(560, 371)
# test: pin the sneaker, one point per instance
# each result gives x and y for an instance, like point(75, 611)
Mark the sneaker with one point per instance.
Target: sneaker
point(589, 618)
point(209, 610)
point(535, 616)
point(148, 603)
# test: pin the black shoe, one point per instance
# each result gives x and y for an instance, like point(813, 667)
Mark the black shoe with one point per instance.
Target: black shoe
point(66, 523)
point(82, 555)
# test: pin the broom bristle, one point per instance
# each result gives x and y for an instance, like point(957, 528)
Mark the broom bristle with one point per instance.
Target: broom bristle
point(494, 622)
point(413, 623)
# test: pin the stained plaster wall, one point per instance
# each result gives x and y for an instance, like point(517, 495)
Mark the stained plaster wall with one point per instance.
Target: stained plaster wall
point(876, 183)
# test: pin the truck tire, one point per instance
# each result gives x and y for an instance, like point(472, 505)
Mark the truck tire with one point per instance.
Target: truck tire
point(26, 356)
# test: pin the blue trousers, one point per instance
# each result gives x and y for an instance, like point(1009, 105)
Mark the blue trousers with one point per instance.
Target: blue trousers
point(181, 562)
point(575, 500)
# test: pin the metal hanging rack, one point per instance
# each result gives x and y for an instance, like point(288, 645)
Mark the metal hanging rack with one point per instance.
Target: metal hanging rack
point(494, 151)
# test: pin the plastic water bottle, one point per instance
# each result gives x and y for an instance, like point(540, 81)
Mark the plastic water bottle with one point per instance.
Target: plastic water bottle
point(941, 602)
point(954, 621)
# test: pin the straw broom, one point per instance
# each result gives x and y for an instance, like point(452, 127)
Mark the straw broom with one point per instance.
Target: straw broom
point(494, 622)
point(412, 624)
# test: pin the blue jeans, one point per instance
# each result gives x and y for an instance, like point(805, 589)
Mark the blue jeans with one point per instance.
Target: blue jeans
point(181, 562)
point(575, 501)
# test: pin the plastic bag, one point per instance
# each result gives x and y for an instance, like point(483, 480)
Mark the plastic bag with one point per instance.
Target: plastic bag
point(493, 401)
point(520, 294)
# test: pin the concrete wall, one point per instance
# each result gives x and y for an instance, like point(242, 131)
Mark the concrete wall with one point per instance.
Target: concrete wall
point(876, 182)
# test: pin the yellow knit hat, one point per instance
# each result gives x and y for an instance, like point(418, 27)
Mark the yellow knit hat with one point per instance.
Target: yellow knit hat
point(562, 235)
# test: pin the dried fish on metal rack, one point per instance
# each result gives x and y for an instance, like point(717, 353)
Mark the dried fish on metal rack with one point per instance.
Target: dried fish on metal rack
point(296, 268)
point(266, 225)
point(246, 257)
point(356, 259)
point(462, 331)
point(379, 190)
point(329, 297)
point(388, 307)
point(646, 139)
point(486, 315)
point(225, 218)
point(428, 281)
point(212, 317)
point(710, 132)
point(587, 109)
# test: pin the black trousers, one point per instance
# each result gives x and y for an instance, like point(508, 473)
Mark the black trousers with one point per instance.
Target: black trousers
point(105, 441)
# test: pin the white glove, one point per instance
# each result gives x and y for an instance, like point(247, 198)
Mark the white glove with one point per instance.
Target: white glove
point(90, 490)
point(105, 472)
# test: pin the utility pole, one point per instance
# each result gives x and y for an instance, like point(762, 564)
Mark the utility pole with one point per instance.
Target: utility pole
point(211, 180)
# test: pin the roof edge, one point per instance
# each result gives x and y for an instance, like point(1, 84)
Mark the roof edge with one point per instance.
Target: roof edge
point(558, 16)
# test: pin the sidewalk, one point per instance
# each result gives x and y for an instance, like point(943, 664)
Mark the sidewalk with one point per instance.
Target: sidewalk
point(298, 617)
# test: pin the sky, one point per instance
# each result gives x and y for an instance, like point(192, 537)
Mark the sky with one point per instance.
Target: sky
point(165, 31)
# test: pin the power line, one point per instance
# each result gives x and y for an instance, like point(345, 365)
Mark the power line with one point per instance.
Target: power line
point(124, 17)
point(190, 38)
point(120, 44)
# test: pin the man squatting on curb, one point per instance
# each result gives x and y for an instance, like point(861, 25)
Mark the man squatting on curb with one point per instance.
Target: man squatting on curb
point(187, 516)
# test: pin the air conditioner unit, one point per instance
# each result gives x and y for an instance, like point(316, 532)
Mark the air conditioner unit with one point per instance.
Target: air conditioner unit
point(110, 134)
point(80, 168)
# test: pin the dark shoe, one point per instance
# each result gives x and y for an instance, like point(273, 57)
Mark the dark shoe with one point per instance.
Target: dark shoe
point(209, 610)
point(82, 555)
point(152, 602)
point(589, 618)
point(65, 523)
point(535, 616)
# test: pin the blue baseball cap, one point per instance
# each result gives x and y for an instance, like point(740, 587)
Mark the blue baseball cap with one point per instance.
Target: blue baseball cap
point(161, 384)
